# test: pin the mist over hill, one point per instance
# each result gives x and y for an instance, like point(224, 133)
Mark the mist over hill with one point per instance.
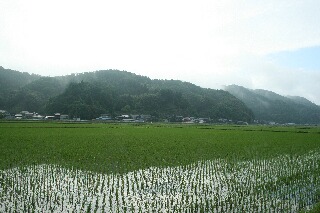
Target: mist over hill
point(268, 106)
point(114, 92)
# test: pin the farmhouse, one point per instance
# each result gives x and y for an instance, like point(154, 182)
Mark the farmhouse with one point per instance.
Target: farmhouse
point(57, 116)
point(64, 117)
point(28, 115)
point(36, 116)
point(122, 117)
point(18, 116)
point(104, 117)
point(49, 117)
point(141, 118)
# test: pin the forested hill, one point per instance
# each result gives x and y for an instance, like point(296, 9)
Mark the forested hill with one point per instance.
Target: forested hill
point(268, 106)
point(87, 95)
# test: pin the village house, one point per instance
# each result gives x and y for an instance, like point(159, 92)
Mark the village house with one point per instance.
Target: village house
point(122, 117)
point(104, 117)
point(18, 116)
point(64, 117)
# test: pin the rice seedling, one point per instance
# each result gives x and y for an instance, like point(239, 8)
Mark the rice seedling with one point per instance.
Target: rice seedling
point(48, 167)
point(281, 184)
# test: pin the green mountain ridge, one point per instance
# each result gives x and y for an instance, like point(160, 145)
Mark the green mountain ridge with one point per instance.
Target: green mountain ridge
point(114, 92)
point(268, 106)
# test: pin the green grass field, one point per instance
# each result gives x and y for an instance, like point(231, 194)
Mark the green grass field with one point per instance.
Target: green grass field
point(123, 148)
point(112, 148)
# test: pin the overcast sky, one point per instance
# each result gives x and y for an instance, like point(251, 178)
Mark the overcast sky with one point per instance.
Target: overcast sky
point(273, 45)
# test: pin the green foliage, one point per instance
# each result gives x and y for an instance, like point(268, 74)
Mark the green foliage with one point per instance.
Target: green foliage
point(24, 99)
point(82, 100)
point(10, 82)
point(315, 209)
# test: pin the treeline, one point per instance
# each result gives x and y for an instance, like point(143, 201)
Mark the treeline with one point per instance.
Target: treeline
point(87, 95)
point(88, 100)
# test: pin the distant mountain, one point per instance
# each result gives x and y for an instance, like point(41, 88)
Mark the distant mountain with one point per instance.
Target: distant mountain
point(87, 95)
point(268, 106)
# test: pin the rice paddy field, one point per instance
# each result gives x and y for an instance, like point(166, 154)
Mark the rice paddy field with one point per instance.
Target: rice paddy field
point(90, 167)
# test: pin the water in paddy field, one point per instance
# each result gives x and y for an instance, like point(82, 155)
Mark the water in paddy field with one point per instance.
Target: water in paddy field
point(282, 184)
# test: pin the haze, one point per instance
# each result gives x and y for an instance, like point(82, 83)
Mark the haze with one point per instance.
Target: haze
point(273, 45)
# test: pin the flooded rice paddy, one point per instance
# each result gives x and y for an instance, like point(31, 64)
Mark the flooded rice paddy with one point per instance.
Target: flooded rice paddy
point(281, 184)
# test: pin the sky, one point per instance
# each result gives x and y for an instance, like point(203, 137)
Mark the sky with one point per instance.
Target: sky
point(272, 45)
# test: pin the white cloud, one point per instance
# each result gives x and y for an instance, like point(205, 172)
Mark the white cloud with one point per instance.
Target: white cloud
point(259, 72)
point(210, 43)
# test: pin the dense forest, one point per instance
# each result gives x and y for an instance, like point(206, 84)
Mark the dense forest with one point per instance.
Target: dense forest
point(88, 95)
point(114, 92)
point(268, 106)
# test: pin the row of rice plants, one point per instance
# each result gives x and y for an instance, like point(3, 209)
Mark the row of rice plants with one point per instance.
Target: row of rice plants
point(122, 148)
point(281, 184)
